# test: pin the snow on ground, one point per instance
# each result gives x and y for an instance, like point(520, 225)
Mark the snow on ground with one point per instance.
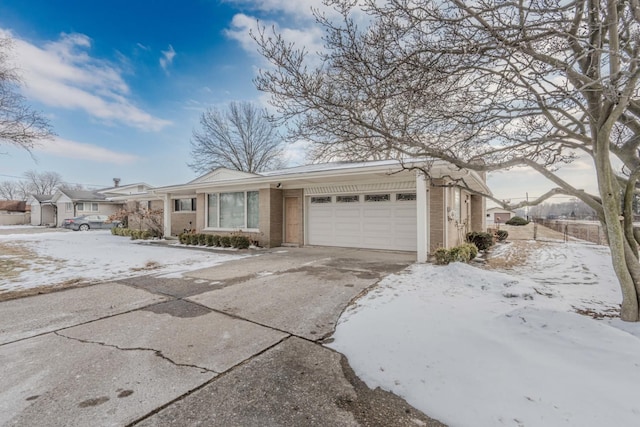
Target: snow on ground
point(472, 347)
point(46, 259)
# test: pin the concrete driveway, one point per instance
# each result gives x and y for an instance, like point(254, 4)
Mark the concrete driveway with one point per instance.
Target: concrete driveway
point(236, 344)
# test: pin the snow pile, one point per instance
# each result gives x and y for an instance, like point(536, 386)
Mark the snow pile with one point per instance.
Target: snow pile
point(472, 347)
point(46, 259)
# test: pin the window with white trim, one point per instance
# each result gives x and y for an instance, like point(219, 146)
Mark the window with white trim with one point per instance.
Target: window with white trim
point(94, 207)
point(240, 209)
point(184, 205)
point(80, 206)
point(68, 207)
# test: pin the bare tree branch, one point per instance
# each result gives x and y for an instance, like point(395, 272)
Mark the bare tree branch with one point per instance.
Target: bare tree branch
point(240, 138)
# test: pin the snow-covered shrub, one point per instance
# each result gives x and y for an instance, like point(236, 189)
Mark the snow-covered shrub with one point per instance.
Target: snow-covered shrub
point(441, 256)
point(240, 241)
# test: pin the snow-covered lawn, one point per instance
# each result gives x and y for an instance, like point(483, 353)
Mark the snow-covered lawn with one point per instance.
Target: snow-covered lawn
point(473, 347)
point(53, 258)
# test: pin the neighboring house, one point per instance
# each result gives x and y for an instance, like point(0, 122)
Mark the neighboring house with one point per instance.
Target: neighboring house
point(14, 212)
point(53, 209)
point(375, 205)
point(498, 215)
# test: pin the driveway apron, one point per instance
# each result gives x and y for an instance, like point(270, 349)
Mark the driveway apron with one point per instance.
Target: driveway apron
point(235, 344)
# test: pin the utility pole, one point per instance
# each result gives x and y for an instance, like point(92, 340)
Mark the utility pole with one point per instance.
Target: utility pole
point(527, 193)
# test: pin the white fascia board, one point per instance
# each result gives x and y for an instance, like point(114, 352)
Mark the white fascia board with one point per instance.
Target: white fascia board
point(438, 168)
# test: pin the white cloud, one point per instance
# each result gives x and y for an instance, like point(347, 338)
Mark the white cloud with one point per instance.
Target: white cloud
point(167, 58)
point(87, 152)
point(298, 8)
point(242, 25)
point(62, 74)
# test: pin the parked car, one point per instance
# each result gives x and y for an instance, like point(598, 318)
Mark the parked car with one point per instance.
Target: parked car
point(87, 222)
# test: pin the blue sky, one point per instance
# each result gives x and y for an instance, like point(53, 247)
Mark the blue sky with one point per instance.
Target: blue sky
point(124, 83)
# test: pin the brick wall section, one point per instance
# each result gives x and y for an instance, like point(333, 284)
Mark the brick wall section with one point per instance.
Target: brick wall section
point(436, 216)
point(271, 205)
point(201, 202)
point(180, 221)
point(274, 217)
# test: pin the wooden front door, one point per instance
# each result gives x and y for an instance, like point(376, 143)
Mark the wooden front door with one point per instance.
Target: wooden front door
point(292, 220)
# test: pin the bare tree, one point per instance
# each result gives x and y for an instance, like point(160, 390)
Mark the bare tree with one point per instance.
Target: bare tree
point(43, 182)
point(240, 138)
point(19, 124)
point(485, 85)
point(14, 190)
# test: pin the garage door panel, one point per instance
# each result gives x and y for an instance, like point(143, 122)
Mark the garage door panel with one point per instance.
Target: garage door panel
point(373, 225)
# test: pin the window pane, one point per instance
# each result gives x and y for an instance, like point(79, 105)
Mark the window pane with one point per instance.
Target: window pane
point(253, 209)
point(232, 210)
point(94, 207)
point(185, 204)
point(212, 218)
point(80, 206)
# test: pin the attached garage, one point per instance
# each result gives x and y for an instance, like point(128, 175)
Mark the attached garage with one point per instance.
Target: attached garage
point(372, 221)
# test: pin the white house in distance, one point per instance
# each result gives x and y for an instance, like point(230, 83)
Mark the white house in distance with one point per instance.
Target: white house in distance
point(52, 210)
point(375, 205)
point(497, 215)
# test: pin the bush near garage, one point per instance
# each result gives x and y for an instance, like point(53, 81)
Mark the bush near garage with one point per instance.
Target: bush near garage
point(462, 253)
point(482, 240)
point(517, 220)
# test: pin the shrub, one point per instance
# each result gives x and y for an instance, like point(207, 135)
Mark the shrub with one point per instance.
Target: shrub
point(209, 239)
point(459, 254)
point(216, 240)
point(184, 238)
point(473, 250)
point(517, 220)
point(193, 239)
point(225, 241)
point(441, 256)
point(482, 240)
point(241, 242)
point(202, 239)
point(502, 235)
point(115, 232)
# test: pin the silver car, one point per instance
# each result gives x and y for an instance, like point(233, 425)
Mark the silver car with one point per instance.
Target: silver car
point(88, 222)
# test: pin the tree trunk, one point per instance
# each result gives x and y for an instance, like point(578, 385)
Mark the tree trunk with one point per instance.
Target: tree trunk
point(625, 263)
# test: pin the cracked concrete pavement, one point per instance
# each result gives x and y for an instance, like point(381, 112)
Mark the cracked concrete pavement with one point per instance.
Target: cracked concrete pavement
point(236, 344)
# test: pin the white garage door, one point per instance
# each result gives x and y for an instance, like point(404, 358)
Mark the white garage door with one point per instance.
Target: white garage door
point(373, 221)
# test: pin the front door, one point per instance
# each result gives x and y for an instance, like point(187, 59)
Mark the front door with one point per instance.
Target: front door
point(292, 220)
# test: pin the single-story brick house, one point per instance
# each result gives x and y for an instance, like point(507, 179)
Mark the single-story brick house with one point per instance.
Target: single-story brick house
point(374, 205)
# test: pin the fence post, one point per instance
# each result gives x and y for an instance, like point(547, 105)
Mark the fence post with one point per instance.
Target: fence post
point(535, 231)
